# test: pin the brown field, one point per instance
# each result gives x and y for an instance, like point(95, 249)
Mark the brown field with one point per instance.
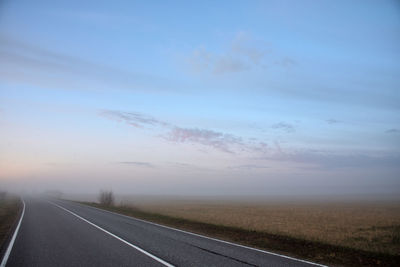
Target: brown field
point(369, 227)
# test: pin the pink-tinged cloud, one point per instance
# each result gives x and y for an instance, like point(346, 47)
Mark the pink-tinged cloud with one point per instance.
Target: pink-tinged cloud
point(217, 140)
point(233, 144)
point(229, 143)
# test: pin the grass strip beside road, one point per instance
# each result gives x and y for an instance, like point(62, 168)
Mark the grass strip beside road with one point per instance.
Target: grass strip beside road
point(10, 208)
point(286, 245)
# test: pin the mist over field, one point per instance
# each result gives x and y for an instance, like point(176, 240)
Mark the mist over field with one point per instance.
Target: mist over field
point(200, 133)
point(271, 100)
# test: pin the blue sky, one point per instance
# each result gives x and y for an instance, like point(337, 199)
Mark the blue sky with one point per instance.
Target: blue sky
point(260, 97)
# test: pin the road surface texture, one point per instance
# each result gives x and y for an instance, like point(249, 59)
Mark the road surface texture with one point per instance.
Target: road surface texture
point(63, 233)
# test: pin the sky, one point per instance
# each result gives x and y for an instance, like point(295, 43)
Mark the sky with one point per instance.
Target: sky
point(200, 98)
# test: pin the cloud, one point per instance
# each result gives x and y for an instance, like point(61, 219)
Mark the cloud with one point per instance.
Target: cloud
point(204, 61)
point(332, 121)
point(133, 118)
point(249, 167)
point(187, 166)
point(259, 150)
point(137, 163)
point(26, 63)
point(392, 131)
point(353, 92)
point(229, 64)
point(243, 45)
point(224, 142)
point(181, 164)
point(241, 54)
point(333, 160)
point(289, 128)
point(200, 60)
point(285, 62)
point(218, 140)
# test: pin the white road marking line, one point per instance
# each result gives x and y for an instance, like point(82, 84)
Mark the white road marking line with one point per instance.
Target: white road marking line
point(207, 237)
point(11, 244)
point(117, 237)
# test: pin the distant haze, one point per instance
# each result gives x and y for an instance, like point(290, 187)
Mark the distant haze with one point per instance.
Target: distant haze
point(242, 98)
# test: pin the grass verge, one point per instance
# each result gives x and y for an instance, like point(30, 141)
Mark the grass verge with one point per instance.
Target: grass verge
point(10, 208)
point(300, 248)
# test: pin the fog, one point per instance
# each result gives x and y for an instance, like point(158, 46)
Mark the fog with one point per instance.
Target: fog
point(152, 101)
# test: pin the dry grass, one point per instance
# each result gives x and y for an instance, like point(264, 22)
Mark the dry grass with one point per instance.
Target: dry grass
point(283, 243)
point(369, 227)
point(9, 211)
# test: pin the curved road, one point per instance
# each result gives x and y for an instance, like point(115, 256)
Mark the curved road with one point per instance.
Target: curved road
point(62, 233)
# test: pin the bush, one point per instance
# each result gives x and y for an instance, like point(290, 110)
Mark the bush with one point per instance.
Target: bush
point(106, 198)
point(3, 195)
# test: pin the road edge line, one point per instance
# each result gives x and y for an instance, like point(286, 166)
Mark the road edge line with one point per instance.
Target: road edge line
point(11, 244)
point(211, 238)
point(116, 237)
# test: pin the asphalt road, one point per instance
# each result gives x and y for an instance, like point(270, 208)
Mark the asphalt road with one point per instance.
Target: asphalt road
point(62, 233)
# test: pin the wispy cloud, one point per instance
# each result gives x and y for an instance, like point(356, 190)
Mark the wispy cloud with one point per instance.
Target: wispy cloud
point(286, 62)
point(243, 53)
point(332, 121)
point(218, 140)
point(188, 166)
point(249, 167)
point(214, 139)
point(392, 131)
point(287, 127)
point(240, 55)
point(244, 45)
point(202, 60)
point(133, 118)
point(258, 150)
point(27, 63)
point(334, 160)
point(137, 163)
point(229, 64)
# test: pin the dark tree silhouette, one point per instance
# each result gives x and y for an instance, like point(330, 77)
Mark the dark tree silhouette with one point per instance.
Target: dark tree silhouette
point(106, 198)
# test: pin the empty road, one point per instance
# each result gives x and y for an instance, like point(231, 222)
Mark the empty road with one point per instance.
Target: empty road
point(63, 233)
